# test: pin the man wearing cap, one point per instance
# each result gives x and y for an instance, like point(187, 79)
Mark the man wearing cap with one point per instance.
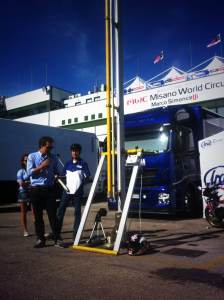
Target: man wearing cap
point(77, 171)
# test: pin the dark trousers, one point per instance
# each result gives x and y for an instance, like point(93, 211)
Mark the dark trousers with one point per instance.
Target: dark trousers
point(77, 202)
point(44, 198)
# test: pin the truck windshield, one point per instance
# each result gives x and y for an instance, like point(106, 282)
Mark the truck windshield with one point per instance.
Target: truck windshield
point(150, 141)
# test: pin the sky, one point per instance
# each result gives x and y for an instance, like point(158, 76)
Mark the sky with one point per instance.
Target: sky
point(62, 42)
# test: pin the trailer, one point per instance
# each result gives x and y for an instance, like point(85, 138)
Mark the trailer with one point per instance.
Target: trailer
point(17, 138)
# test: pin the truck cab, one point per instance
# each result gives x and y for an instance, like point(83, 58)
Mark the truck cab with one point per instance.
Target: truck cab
point(169, 180)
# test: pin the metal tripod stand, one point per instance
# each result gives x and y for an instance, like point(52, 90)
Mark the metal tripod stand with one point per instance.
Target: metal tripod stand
point(98, 225)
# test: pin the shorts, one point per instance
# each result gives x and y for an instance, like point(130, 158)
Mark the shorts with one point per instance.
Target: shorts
point(23, 197)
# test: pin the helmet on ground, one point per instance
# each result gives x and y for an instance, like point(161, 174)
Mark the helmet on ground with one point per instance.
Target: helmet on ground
point(138, 245)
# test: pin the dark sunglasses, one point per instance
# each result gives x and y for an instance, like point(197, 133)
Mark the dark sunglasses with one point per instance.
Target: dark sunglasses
point(49, 147)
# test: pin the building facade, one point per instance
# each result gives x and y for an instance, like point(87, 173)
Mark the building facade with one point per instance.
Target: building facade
point(203, 84)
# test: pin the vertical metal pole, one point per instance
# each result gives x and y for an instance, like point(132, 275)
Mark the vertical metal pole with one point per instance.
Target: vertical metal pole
point(112, 98)
point(108, 104)
point(46, 74)
point(120, 105)
point(49, 105)
point(221, 48)
point(190, 49)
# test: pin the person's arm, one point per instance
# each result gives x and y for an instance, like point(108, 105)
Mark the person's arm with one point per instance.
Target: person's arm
point(32, 169)
point(42, 166)
point(20, 180)
point(86, 172)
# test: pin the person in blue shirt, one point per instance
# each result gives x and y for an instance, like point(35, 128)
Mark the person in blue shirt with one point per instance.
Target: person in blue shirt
point(42, 166)
point(76, 164)
point(23, 193)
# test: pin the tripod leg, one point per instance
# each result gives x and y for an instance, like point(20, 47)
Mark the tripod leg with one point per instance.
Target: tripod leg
point(94, 227)
point(101, 225)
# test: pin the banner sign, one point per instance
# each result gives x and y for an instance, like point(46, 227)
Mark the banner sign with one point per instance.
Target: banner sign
point(212, 160)
point(188, 92)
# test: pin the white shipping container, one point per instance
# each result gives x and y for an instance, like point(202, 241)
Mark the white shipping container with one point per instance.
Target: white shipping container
point(17, 138)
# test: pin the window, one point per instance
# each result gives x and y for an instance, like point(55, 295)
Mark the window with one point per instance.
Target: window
point(69, 121)
point(178, 144)
point(100, 115)
point(77, 103)
point(151, 141)
point(89, 100)
point(76, 120)
point(63, 122)
point(86, 118)
point(184, 140)
point(97, 98)
point(188, 140)
point(92, 117)
point(221, 111)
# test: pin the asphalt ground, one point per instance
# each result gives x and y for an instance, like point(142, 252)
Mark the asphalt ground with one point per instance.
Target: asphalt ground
point(186, 261)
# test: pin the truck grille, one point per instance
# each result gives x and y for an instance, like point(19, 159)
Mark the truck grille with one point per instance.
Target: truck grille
point(148, 176)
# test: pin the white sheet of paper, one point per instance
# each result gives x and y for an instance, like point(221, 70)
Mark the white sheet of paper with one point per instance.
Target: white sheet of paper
point(73, 181)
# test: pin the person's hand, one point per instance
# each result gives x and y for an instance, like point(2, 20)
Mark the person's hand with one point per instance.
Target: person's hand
point(25, 184)
point(45, 163)
point(89, 179)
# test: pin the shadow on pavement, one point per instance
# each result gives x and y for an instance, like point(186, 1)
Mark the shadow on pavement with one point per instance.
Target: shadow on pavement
point(183, 275)
point(9, 208)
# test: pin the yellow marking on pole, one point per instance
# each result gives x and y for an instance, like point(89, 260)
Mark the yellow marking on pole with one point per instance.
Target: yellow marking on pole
point(134, 151)
point(97, 250)
point(130, 151)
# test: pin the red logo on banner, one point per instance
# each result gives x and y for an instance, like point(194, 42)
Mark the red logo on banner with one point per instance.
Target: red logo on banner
point(136, 100)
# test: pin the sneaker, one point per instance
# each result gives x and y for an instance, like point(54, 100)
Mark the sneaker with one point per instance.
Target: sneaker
point(26, 234)
point(60, 238)
point(59, 243)
point(49, 236)
point(39, 244)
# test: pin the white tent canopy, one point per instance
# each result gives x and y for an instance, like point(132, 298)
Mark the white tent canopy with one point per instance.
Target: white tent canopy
point(216, 62)
point(135, 84)
point(209, 64)
point(174, 75)
point(168, 76)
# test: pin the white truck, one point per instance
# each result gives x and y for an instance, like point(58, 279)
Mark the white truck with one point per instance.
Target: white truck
point(17, 138)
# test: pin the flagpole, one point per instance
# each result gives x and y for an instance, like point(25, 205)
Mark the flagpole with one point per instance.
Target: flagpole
point(221, 48)
point(46, 73)
point(138, 65)
point(31, 78)
point(190, 49)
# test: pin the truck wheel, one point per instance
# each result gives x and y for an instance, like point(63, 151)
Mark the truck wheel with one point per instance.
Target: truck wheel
point(188, 202)
point(193, 202)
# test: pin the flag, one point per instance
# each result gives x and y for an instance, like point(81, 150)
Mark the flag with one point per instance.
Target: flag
point(215, 41)
point(158, 57)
